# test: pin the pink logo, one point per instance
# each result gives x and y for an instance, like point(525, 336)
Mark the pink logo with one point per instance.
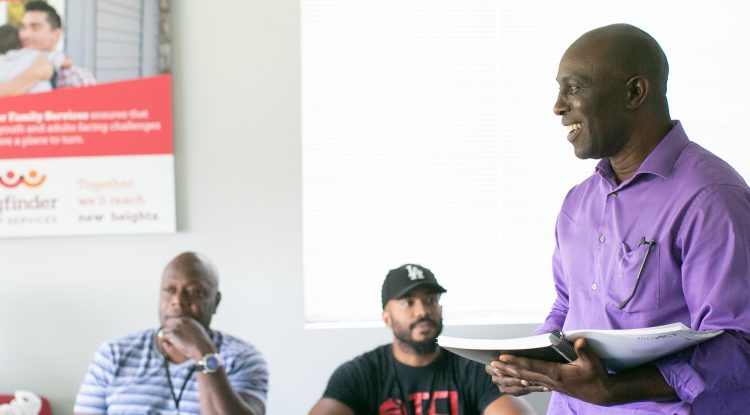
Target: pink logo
point(32, 179)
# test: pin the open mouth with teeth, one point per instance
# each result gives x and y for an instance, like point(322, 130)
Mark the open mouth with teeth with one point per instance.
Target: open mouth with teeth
point(572, 129)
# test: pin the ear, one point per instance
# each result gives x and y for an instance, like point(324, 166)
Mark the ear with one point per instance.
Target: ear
point(387, 318)
point(637, 87)
point(218, 300)
point(57, 33)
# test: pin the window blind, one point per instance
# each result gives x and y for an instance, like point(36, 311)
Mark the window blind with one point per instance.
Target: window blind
point(428, 137)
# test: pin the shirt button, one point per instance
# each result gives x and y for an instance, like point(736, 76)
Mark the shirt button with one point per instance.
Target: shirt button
point(613, 195)
point(602, 239)
point(594, 286)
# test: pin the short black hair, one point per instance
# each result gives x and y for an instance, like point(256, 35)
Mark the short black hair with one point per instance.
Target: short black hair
point(41, 6)
point(9, 38)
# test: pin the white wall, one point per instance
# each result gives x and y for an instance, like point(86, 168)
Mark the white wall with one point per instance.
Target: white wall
point(237, 144)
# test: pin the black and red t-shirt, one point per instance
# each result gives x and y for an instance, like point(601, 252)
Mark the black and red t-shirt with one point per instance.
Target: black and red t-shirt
point(451, 385)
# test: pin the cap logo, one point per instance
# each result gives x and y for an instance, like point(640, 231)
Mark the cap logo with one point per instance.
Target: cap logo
point(414, 273)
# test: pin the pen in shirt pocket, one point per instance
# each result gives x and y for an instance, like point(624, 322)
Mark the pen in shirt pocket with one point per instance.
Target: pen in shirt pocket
point(650, 245)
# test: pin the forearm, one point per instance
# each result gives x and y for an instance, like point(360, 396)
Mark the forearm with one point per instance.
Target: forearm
point(715, 368)
point(20, 84)
point(217, 397)
point(185, 336)
point(644, 383)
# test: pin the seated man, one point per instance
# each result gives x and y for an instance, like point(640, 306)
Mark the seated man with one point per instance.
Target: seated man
point(182, 367)
point(412, 375)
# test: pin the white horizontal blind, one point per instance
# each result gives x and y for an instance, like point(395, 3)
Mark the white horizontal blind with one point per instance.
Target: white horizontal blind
point(428, 137)
point(118, 41)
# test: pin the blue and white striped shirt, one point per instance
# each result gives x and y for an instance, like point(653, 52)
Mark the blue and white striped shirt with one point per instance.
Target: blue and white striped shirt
point(127, 376)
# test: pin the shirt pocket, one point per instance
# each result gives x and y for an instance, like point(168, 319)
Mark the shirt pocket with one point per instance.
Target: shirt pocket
point(623, 278)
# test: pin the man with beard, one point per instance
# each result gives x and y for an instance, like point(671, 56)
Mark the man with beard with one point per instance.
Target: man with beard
point(412, 375)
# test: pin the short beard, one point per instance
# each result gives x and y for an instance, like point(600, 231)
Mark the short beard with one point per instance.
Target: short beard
point(420, 348)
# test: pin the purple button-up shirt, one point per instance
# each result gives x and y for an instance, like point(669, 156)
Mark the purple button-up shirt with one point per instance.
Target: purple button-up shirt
point(696, 209)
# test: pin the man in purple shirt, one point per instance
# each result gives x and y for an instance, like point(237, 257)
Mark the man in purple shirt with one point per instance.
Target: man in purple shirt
point(659, 233)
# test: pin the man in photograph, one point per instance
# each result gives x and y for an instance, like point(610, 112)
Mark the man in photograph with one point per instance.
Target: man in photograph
point(41, 29)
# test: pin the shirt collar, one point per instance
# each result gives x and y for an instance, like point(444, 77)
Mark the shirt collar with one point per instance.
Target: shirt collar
point(661, 160)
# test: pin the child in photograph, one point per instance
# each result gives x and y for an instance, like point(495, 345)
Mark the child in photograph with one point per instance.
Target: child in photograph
point(14, 59)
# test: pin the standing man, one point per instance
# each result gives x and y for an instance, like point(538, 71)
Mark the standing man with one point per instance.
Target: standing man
point(660, 233)
point(183, 366)
point(41, 28)
point(412, 375)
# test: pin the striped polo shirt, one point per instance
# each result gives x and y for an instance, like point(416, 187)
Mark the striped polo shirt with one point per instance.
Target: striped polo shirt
point(127, 376)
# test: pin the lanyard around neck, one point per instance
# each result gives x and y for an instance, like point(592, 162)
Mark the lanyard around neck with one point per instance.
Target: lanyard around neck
point(177, 398)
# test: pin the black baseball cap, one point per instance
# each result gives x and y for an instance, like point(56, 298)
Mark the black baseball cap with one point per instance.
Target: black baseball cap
point(405, 278)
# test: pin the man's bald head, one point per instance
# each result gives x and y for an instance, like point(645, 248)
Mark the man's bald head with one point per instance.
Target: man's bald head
point(189, 288)
point(195, 264)
point(612, 97)
point(627, 50)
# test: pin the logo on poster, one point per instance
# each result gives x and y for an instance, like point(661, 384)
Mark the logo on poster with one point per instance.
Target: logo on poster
point(35, 210)
point(16, 210)
point(31, 179)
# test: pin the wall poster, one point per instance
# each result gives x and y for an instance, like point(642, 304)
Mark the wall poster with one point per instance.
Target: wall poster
point(88, 150)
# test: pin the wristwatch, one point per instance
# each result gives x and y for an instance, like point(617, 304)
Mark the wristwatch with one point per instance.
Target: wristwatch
point(210, 363)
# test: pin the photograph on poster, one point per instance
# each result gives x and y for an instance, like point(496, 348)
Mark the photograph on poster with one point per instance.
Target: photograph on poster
point(85, 118)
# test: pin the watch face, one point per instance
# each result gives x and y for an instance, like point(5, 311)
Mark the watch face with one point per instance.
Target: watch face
point(212, 363)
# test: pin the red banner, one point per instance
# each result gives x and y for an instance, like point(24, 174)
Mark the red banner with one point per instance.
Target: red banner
point(120, 118)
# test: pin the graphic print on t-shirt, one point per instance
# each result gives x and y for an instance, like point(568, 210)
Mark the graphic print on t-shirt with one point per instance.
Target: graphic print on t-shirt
point(440, 403)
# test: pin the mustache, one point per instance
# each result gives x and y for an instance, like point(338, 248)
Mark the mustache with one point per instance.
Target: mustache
point(423, 320)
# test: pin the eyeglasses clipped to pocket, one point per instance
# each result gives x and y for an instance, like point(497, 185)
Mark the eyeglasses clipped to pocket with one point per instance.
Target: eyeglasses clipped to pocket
point(634, 277)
